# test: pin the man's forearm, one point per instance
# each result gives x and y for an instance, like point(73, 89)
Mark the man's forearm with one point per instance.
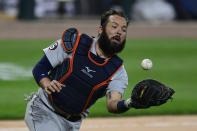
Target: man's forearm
point(41, 69)
point(115, 104)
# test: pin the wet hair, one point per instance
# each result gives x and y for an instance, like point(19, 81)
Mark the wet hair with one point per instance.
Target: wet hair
point(105, 16)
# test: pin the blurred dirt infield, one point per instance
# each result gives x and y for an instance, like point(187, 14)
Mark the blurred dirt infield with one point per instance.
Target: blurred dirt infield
point(40, 29)
point(154, 123)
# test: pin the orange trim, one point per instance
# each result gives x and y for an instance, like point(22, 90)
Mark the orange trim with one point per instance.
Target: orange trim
point(115, 72)
point(71, 70)
point(68, 73)
point(69, 51)
point(71, 61)
point(91, 94)
point(51, 98)
point(94, 60)
point(57, 108)
point(97, 86)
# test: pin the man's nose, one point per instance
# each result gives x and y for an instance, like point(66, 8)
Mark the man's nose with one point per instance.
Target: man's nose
point(119, 32)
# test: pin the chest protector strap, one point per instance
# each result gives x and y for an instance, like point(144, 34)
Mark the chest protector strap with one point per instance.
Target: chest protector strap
point(69, 39)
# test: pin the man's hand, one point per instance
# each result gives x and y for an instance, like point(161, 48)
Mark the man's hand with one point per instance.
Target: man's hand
point(51, 86)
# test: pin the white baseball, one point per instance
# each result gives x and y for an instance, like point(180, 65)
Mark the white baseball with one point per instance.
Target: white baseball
point(146, 64)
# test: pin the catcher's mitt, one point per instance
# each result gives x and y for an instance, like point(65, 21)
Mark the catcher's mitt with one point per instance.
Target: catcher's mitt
point(150, 92)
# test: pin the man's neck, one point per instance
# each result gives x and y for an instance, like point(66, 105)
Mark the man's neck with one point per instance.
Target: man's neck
point(99, 51)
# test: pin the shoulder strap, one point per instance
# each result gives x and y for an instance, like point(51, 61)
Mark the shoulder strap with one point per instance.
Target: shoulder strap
point(113, 65)
point(84, 44)
point(69, 39)
point(117, 60)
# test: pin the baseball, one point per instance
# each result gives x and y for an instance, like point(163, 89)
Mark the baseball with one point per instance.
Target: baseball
point(146, 64)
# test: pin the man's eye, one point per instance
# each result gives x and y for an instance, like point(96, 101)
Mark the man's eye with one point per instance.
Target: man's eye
point(113, 26)
point(124, 30)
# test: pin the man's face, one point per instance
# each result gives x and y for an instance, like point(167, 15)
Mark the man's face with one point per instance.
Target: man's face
point(113, 37)
point(116, 29)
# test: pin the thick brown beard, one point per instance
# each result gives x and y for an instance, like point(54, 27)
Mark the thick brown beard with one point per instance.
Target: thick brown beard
point(109, 48)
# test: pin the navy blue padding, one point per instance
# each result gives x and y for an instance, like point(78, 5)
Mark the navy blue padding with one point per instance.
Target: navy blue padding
point(85, 43)
point(85, 76)
point(58, 72)
point(41, 69)
point(69, 38)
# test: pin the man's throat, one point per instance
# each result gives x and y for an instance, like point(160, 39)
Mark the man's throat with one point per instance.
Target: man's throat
point(99, 51)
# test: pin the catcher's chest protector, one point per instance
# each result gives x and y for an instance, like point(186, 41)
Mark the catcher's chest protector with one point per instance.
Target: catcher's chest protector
point(85, 75)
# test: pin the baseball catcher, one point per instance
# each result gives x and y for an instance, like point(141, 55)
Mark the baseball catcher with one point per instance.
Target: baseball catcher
point(77, 70)
point(149, 93)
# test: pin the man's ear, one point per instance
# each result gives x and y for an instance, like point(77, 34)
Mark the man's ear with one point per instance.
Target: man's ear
point(100, 30)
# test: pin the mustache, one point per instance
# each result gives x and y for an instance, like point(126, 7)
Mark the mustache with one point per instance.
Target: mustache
point(116, 37)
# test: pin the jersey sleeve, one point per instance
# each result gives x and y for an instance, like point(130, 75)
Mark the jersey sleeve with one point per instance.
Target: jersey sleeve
point(119, 81)
point(55, 53)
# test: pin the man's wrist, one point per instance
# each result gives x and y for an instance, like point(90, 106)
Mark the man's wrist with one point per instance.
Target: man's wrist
point(127, 103)
point(44, 82)
point(121, 107)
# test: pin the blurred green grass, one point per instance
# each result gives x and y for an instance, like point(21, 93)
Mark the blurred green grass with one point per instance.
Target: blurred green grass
point(174, 63)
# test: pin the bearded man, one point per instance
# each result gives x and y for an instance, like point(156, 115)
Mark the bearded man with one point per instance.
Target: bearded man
point(75, 72)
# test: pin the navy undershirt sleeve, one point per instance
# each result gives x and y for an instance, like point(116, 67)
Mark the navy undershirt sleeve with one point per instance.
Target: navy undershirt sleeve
point(121, 106)
point(41, 69)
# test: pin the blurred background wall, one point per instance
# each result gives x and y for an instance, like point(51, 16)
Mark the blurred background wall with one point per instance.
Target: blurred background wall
point(139, 10)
